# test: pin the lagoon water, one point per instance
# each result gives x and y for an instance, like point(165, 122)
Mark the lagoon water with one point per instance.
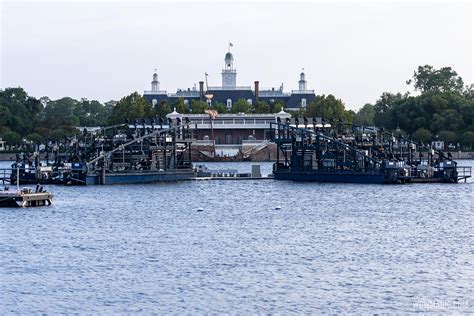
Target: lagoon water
point(256, 247)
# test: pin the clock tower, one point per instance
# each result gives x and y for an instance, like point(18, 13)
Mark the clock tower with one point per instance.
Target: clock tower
point(229, 74)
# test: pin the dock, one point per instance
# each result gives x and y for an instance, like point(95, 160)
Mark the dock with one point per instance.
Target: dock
point(25, 198)
point(203, 173)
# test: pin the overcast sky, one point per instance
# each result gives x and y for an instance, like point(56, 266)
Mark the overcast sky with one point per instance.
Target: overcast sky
point(105, 50)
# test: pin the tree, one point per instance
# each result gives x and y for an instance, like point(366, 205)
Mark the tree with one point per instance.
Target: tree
point(383, 109)
point(181, 107)
point(61, 112)
point(276, 106)
point(429, 79)
point(467, 139)
point(447, 136)
point(219, 107)
point(423, 135)
point(241, 106)
point(365, 116)
point(162, 108)
point(262, 107)
point(34, 137)
point(19, 112)
point(130, 107)
point(198, 107)
point(11, 137)
point(328, 107)
point(60, 134)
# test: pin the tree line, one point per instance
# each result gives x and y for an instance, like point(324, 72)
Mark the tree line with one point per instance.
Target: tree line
point(442, 109)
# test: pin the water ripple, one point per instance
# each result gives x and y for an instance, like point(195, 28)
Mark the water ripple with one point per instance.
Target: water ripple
point(334, 248)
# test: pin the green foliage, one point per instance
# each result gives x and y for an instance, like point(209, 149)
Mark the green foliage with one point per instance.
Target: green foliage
point(383, 108)
point(11, 137)
point(61, 133)
point(241, 106)
point(219, 107)
point(130, 107)
point(467, 138)
point(262, 107)
point(181, 107)
point(328, 107)
point(365, 116)
point(18, 111)
point(34, 137)
point(162, 108)
point(349, 116)
point(198, 107)
point(447, 136)
point(429, 79)
point(423, 135)
point(276, 106)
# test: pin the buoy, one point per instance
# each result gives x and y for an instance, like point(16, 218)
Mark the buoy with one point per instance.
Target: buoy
point(200, 209)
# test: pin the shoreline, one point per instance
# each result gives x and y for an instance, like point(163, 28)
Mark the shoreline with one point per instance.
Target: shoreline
point(465, 155)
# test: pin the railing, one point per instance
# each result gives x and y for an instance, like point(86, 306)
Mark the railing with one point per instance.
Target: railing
point(185, 94)
point(147, 92)
point(464, 172)
point(207, 142)
point(270, 93)
point(302, 91)
point(5, 174)
point(230, 88)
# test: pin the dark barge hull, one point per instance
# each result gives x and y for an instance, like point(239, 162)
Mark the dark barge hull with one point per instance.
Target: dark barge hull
point(373, 178)
point(139, 177)
point(26, 200)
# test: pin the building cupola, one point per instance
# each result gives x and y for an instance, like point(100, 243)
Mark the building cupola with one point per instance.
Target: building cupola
point(229, 74)
point(302, 82)
point(155, 84)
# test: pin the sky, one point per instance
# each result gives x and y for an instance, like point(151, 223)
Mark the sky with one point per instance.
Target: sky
point(105, 50)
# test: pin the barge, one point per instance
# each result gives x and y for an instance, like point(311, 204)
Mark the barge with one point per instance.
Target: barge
point(144, 152)
point(349, 153)
point(25, 198)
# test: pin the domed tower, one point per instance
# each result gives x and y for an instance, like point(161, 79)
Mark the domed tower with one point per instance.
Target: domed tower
point(229, 74)
point(155, 84)
point(302, 82)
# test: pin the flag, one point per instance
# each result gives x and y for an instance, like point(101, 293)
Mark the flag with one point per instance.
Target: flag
point(212, 113)
point(231, 45)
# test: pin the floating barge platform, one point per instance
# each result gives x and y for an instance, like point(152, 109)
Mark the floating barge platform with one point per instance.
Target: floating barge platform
point(25, 198)
point(319, 152)
point(149, 151)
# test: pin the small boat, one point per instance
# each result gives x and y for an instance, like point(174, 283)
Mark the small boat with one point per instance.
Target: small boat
point(25, 197)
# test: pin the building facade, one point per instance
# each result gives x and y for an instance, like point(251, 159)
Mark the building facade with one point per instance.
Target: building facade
point(228, 93)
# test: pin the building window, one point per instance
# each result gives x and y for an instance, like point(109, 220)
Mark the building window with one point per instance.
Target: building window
point(228, 138)
point(229, 104)
point(154, 102)
point(249, 101)
point(303, 103)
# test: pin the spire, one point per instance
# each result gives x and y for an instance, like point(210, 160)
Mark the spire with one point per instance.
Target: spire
point(155, 84)
point(302, 82)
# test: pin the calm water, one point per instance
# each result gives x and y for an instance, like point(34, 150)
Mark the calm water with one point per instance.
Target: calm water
point(257, 247)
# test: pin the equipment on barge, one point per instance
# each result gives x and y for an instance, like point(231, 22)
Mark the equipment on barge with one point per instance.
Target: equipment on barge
point(149, 151)
point(25, 197)
point(320, 153)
